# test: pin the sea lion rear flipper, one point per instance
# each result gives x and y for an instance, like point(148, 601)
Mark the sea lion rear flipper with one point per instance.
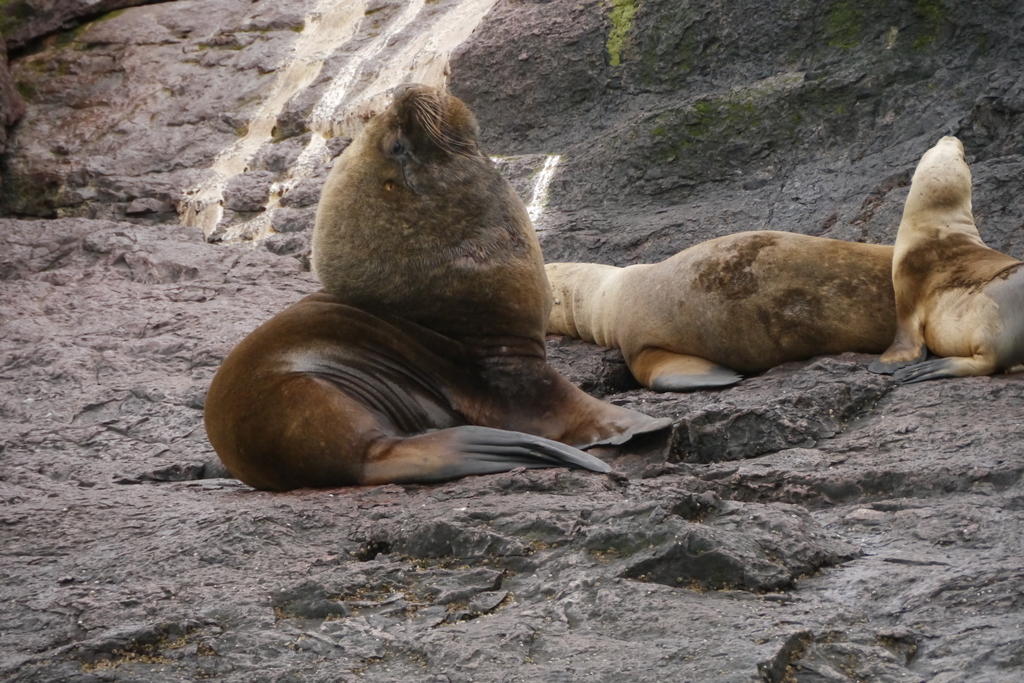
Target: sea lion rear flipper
point(940, 368)
point(461, 451)
point(662, 370)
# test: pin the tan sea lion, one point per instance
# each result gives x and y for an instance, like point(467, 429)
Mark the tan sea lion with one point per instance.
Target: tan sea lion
point(424, 360)
point(955, 297)
point(741, 303)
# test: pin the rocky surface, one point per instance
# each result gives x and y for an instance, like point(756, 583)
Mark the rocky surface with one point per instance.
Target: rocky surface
point(814, 523)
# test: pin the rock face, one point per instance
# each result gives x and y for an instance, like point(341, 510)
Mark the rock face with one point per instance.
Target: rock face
point(24, 21)
point(805, 117)
point(814, 523)
point(12, 107)
point(221, 112)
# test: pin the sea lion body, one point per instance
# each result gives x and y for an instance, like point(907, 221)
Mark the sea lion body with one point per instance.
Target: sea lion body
point(955, 296)
point(424, 359)
point(741, 303)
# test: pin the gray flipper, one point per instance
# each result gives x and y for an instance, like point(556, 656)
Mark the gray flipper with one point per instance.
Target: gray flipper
point(902, 346)
point(880, 368)
point(711, 378)
point(651, 424)
point(487, 445)
point(941, 368)
point(460, 451)
point(663, 370)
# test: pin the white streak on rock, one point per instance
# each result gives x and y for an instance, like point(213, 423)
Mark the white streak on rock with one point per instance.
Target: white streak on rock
point(423, 58)
point(331, 23)
point(539, 199)
point(413, 47)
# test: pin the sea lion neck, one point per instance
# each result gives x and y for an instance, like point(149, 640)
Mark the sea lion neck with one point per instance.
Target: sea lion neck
point(583, 301)
point(939, 201)
point(941, 184)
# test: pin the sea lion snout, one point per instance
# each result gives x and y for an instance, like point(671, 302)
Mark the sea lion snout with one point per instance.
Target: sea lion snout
point(400, 90)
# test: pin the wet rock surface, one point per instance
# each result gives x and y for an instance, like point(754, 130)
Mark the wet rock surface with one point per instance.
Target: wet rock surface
point(814, 523)
point(880, 539)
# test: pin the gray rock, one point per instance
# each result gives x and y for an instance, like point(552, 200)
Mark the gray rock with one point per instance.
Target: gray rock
point(715, 121)
point(178, 83)
point(12, 107)
point(850, 556)
point(248, 192)
point(306, 193)
point(297, 245)
point(27, 20)
point(293, 220)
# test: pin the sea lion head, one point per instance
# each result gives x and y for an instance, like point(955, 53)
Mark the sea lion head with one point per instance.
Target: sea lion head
point(422, 128)
point(411, 148)
point(416, 220)
point(942, 180)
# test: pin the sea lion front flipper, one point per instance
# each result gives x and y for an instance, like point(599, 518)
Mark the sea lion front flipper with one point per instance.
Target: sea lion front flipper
point(940, 368)
point(460, 451)
point(908, 348)
point(662, 370)
point(880, 366)
point(586, 421)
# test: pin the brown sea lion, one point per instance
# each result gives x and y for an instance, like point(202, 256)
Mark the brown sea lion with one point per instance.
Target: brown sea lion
point(955, 297)
point(424, 360)
point(741, 303)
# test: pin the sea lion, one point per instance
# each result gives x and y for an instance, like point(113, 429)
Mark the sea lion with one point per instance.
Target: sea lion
point(955, 297)
point(741, 303)
point(424, 358)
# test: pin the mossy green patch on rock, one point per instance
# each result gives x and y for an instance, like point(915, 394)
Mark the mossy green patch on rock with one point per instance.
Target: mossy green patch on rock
point(735, 111)
point(621, 17)
point(12, 13)
point(676, 132)
point(849, 23)
point(932, 17)
point(844, 25)
point(110, 15)
point(663, 53)
point(706, 139)
point(26, 89)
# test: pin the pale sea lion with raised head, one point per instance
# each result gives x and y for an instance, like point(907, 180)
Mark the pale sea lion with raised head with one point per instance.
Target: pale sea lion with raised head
point(424, 358)
point(742, 303)
point(955, 296)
